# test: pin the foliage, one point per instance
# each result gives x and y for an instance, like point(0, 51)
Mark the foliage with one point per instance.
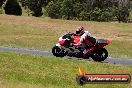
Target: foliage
point(95, 10)
point(53, 9)
point(96, 14)
point(84, 15)
point(79, 11)
point(36, 7)
point(1, 2)
point(67, 9)
point(12, 7)
point(101, 15)
point(122, 13)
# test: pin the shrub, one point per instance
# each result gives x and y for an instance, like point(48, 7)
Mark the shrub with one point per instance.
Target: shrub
point(53, 10)
point(12, 7)
point(84, 15)
point(67, 9)
point(101, 15)
point(36, 7)
point(122, 13)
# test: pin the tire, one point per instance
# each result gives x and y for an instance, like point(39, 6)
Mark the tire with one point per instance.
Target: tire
point(100, 55)
point(58, 52)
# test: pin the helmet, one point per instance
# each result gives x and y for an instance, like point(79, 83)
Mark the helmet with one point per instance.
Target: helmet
point(80, 30)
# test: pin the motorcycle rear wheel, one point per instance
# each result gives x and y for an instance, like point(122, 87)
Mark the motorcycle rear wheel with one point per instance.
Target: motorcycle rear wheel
point(100, 55)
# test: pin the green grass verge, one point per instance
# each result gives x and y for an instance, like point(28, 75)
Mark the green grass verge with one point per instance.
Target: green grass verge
point(26, 71)
point(22, 36)
point(43, 33)
point(120, 49)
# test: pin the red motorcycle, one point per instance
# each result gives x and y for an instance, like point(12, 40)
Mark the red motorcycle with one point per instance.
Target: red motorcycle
point(99, 53)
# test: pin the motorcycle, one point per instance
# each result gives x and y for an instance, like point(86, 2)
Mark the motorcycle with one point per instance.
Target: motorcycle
point(99, 54)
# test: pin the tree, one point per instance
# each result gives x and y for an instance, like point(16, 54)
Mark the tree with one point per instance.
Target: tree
point(23, 2)
point(1, 2)
point(122, 13)
point(96, 14)
point(45, 2)
point(53, 9)
point(97, 10)
point(130, 5)
point(67, 9)
point(36, 8)
point(84, 15)
point(12, 7)
point(79, 10)
point(34, 5)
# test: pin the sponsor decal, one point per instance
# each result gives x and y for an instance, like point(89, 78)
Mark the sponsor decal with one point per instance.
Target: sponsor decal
point(83, 78)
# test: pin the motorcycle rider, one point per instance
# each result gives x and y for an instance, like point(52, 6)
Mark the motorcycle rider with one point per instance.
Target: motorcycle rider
point(80, 32)
point(86, 41)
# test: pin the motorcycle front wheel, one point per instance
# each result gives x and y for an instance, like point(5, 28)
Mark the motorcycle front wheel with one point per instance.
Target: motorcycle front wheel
point(58, 52)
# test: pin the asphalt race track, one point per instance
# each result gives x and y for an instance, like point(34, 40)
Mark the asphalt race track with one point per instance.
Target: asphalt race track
point(46, 53)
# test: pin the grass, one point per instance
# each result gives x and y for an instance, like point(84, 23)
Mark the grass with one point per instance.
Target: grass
point(120, 49)
point(26, 71)
point(43, 33)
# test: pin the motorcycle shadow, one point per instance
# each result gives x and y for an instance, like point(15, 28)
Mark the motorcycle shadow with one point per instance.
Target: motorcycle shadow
point(90, 59)
point(81, 59)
